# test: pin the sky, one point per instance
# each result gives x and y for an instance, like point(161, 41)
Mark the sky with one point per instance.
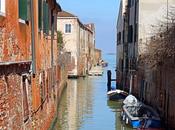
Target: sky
point(103, 13)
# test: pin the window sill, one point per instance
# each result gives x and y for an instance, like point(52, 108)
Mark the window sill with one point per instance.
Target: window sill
point(22, 21)
point(67, 33)
point(2, 14)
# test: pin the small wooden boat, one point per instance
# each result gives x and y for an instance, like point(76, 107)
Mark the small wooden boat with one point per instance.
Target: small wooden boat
point(104, 64)
point(117, 94)
point(136, 115)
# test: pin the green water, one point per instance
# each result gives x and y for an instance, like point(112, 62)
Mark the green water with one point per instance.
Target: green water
point(84, 106)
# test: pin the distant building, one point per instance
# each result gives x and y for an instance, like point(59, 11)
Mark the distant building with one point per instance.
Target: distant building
point(136, 25)
point(91, 47)
point(98, 56)
point(78, 41)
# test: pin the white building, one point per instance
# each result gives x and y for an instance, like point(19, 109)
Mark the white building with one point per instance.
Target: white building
point(77, 41)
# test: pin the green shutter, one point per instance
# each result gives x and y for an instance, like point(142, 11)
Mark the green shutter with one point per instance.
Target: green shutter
point(45, 17)
point(40, 14)
point(22, 9)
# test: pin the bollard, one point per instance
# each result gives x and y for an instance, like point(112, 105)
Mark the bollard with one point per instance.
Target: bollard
point(109, 80)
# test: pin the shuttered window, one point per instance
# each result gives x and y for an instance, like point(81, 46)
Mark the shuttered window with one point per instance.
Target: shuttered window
point(45, 17)
point(22, 8)
point(130, 34)
point(67, 28)
point(40, 4)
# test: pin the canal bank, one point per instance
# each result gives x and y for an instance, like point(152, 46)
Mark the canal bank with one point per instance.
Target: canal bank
point(62, 85)
point(84, 105)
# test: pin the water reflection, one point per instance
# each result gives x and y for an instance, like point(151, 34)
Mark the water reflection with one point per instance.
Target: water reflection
point(76, 105)
point(116, 108)
point(84, 105)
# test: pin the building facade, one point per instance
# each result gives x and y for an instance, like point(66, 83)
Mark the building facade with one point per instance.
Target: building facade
point(78, 41)
point(98, 56)
point(29, 72)
point(139, 22)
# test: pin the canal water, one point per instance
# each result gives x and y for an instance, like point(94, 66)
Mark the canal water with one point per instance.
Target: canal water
point(84, 104)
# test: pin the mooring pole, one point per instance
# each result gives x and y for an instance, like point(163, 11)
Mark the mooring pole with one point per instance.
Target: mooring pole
point(109, 80)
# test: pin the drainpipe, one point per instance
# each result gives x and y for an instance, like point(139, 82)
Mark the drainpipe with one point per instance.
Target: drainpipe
point(52, 37)
point(33, 38)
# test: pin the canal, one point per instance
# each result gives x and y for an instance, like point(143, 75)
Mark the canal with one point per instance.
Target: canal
point(84, 105)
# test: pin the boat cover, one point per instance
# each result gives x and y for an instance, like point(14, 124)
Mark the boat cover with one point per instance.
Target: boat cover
point(131, 100)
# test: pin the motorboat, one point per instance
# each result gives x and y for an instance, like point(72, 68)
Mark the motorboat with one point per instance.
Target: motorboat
point(136, 114)
point(117, 94)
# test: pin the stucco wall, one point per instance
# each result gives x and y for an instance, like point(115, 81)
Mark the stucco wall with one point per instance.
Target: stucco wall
point(151, 15)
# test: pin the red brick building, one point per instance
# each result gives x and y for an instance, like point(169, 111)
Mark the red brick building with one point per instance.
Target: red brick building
point(29, 72)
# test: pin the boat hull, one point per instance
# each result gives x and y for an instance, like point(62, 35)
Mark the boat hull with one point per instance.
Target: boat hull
point(137, 122)
point(117, 95)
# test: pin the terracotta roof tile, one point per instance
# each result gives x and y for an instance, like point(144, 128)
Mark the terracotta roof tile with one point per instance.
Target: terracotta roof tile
point(65, 14)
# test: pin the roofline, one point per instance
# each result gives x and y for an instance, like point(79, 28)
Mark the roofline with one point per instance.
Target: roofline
point(67, 17)
point(80, 23)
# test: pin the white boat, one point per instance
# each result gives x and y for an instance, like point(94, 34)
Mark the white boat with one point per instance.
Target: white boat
point(96, 71)
point(117, 94)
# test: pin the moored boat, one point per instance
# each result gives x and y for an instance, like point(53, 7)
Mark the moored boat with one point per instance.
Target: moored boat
point(136, 113)
point(96, 71)
point(117, 94)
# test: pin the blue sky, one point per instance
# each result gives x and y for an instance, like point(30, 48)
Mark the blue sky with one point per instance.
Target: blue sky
point(103, 13)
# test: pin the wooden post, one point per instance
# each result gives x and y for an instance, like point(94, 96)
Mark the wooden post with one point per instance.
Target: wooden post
point(109, 80)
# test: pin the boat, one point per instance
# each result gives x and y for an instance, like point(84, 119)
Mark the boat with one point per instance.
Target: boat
point(96, 71)
point(136, 113)
point(117, 94)
point(105, 64)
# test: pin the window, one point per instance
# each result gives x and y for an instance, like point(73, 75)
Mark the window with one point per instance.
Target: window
point(130, 3)
point(119, 38)
point(40, 14)
point(25, 98)
point(136, 33)
point(130, 34)
point(45, 18)
point(22, 8)
point(68, 28)
point(2, 6)
point(123, 36)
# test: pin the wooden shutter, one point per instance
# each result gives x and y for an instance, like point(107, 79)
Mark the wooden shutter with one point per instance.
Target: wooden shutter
point(45, 17)
point(22, 8)
point(40, 14)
